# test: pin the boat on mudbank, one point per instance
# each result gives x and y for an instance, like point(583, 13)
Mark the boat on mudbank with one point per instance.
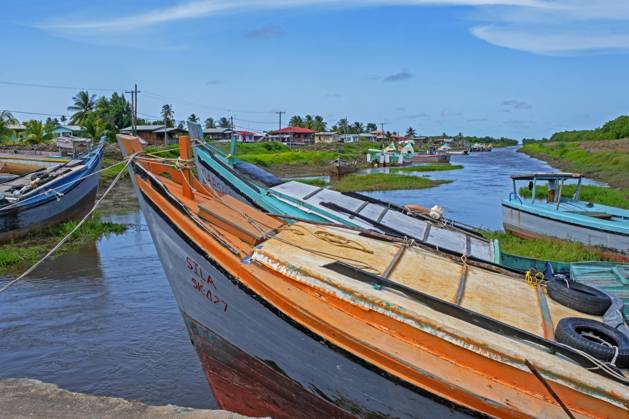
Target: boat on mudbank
point(565, 218)
point(340, 167)
point(308, 320)
point(52, 194)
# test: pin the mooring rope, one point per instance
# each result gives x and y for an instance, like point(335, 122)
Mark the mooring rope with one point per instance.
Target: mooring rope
point(65, 239)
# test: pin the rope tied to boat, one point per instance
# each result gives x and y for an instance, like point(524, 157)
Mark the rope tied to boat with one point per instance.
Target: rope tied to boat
point(184, 164)
point(534, 278)
point(341, 241)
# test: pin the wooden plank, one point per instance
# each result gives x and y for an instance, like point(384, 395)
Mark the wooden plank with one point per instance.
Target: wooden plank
point(394, 262)
point(381, 216)
point(362, 207)
point(460, 292)
point(311, 194)
point(547, 320)
point(426, 232)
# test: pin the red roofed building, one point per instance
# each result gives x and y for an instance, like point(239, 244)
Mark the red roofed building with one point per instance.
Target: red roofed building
point(293, 135)
point(246, 136)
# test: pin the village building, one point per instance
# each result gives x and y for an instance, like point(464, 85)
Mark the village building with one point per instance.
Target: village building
point(367, 136)
point(246, 136)
point(156, 134)
point(67, 131)
point(326, 137)
point(217, 134)
point(293, 135)
point(19, 131)
point(349, 138)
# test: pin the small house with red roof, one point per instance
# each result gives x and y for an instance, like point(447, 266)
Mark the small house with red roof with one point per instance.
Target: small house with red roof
point(293, 135)
point(246, 136)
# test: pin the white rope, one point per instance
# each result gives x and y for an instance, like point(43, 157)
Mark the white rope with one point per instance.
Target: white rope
point(58, 245)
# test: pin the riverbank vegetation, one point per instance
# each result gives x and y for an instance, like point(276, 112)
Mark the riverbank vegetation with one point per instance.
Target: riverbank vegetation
point(544, 249)
point(590, 193)
point(429, 168)
point(383, 182)
point(29, 249)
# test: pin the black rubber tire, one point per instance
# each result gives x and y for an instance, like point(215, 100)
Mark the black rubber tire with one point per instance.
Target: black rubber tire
point(578, 296)
point(569, 331)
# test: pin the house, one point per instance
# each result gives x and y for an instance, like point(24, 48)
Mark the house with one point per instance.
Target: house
point(217, 133)
point(19, 131)
point(67, 131)
point(246, 136)
point(156, 134)
point(293, 135)
point(326, 137)
point(367, 136)
point(349, 138)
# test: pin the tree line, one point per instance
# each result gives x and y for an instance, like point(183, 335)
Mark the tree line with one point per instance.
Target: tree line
point(343, 126)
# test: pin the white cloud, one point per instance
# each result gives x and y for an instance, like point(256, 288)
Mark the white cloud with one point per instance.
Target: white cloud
point(549, 27)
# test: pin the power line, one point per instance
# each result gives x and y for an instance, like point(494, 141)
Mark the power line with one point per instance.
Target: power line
point(201, 105)
point(51, 86)
point(35, 113)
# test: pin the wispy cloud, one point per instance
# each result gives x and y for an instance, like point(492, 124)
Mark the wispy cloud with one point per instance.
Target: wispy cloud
point(450, 114)
point(516, 104)
point(213, 82)
point(420, 115)
point(401, 76)
point(265, 32)
point(550, 27)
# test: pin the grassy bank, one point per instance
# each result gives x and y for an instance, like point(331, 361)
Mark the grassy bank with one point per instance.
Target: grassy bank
point(383, 182)
point(607, 161)
point(544, 249)
point(30, 249)
point(590, 193)
point(429, 168)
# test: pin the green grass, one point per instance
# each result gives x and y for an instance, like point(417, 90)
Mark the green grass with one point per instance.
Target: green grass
point(610, 166)
point(429, 168)
point(315, 182)
point(384, 182)
point(37, 244)
point(111, 172)
point(544, 249)
point(590, 193)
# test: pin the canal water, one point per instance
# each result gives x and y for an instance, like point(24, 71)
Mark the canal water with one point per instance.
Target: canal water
point(102, 319)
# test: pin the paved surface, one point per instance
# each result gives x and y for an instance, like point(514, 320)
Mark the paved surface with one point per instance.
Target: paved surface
point(25, 398)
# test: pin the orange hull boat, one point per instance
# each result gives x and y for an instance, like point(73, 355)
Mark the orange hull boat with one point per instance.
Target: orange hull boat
point(308, 320)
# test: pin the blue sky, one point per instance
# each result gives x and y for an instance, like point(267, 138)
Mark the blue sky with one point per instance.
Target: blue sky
point(519, 68)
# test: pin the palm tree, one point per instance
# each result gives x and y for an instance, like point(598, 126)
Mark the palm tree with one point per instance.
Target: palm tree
point(168, 115)
point(343, 125)
point(94, 127)
point(83, 105)
point(193, 118)
point(37, 132)
point(371, 127)
point(410, 133)
point(308, 121)
point(6, 120)
point(319, 124)
point(358, 127)
point(224, 123)
point(209, 123)
point(296, 121)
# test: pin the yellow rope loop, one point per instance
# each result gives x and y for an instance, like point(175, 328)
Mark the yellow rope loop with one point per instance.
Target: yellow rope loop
point(464, 260)
point(341, 241)
point(535, 279)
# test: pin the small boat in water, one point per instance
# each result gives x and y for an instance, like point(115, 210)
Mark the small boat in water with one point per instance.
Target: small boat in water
point(53, 194)
point(340, 167)
point(565, 218)
point(308, 320)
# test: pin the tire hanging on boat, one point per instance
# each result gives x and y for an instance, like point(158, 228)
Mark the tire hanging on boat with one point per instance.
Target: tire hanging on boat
point(595, 338)
point(578, 296)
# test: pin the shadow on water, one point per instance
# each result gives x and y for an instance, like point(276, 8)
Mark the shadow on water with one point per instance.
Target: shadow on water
point(102, 320)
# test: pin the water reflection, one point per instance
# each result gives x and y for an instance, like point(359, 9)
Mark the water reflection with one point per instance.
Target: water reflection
point(102, 320)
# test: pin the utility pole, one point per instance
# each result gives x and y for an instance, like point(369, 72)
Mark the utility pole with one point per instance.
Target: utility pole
point(134, 106)
point(382, 126)
point(280, 113)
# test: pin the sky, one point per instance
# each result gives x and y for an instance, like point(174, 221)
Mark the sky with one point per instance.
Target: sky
point(515, 68)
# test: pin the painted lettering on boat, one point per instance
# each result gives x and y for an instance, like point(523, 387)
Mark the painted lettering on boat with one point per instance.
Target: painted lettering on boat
point(203, 283)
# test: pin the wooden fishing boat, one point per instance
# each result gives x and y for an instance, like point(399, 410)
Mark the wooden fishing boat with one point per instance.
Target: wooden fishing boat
point(430, 158)
point(24, 162)
point(296, 199)
point(49, 196)
point(565, 218)
point(340, 167)
point(308, 320)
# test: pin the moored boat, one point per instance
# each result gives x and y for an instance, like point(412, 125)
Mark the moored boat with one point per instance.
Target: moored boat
point(308, 320)
point(24, 162)
point(340, 167)
point(51, 195)
point(565, 218)
point(430, 158)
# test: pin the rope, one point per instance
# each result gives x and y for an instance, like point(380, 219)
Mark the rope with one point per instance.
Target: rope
point(62, 241)
point(341, 241)
point(534, 279)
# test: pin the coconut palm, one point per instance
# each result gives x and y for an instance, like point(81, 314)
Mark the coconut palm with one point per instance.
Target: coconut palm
point(36, 132)
point(224, 123)
point(94, 127)
point(319, 124)
point(357, 127)
point(193, 118)
point(209, 123)
point(83, 105)
point(343, 125)
point(6, 120)
point(410, 133)
point(296, 121)
point(168, 115)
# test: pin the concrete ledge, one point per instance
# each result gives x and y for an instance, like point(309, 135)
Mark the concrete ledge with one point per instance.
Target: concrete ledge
point(25, 398)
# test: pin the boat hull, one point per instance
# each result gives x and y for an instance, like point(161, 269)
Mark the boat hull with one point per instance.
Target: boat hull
point(76, 201)
point(529, 225)
point(430, 158)
point(260, 363)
